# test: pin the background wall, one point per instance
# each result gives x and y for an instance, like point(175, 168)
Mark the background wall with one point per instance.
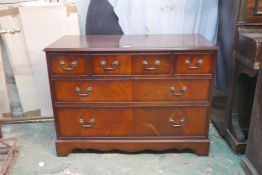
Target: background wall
point(41, 24)
point(40, 28)
point(168, 17)
point(82, 6)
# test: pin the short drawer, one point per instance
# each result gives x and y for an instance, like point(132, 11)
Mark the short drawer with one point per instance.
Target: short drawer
point(148, 64)
point(111, 64)
point(68, 64)
point(171, 90)
point(193, 64)
point(94, 122)
point(137, 122)
point(93, 91)
point(135, 64)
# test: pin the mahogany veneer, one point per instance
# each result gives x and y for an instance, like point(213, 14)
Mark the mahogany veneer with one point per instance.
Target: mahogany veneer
point(131, 93)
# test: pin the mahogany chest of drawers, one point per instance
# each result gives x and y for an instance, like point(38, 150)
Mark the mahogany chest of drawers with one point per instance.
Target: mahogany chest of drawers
point(131, 93)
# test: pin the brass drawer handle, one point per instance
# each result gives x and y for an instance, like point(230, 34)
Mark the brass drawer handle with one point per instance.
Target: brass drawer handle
point(11, 31)
point(89, 125)
point(190, 66)
point(182, 91)
point(177, 124)
point(73, 65)
point(156, 63)
point(104, 65)
point(88, 91)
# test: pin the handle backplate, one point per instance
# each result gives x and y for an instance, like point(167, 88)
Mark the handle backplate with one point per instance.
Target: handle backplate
point(146, 65)
point(178, 123)
point(89, 125)
point(114, 65)
point(197, 65)
point(175, 93)
point(87, 92)
point(73, 65)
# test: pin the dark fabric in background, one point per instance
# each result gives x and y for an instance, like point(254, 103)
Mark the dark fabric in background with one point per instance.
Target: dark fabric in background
point(101, 19)
point(227, 19)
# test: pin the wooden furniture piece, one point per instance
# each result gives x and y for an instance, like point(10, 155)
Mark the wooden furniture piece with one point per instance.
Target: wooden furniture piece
point(252, 160)
point(131, 93)
point(240, 43)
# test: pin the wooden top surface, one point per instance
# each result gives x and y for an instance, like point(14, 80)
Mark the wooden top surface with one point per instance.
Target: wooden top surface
point(131, 43)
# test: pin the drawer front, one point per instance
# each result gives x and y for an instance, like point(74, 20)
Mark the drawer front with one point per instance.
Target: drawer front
point(139, 122)
point(111, 64)
point(141, 64)
point(171, 121)
point(69, 64)
point(251, 11)
point(249, 48)
point(94, 122)
point(171, 90)
point(193, 64)
point(128, 90)
point(149, 64)
point(93, 91)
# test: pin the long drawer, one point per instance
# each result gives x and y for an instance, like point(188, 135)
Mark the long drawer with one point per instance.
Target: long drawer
point(142, 122)
point(142, 90)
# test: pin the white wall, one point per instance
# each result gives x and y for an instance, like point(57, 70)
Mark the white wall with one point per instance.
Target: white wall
point(25, 49)
point(82, 6)
point(181, 13)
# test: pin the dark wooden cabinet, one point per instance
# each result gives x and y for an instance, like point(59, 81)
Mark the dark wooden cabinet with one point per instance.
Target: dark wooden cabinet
point(131, 93)
point(252, 160)
point(239, 35)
